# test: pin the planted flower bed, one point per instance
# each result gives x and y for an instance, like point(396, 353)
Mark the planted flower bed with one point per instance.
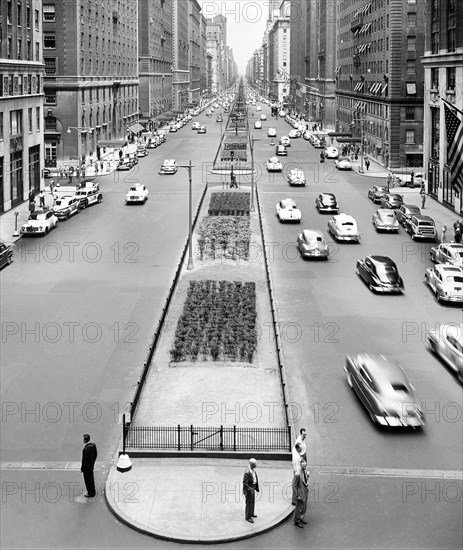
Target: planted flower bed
point(229, 203)
point(218, 322)
point(224, 237)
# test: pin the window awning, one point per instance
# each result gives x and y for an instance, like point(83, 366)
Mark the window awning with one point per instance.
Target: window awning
point(135, 128)
point(384, 90)
point(367, 27)
point(111, 143)
point(411, 88)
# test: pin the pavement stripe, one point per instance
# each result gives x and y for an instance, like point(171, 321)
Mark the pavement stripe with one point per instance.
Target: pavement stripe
point(43, 466)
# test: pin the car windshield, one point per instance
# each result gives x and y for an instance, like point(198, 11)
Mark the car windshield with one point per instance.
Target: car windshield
point(399, 386)
point(425, 224)
point(454, 279)
point(37, 216)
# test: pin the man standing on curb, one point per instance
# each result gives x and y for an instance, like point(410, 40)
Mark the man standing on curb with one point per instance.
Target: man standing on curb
point(250, 486)
point(301, 440)
point(296, 471)
point(89, 455)
point(302, 495)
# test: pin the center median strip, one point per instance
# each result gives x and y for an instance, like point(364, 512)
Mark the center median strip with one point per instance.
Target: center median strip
point(359, 471)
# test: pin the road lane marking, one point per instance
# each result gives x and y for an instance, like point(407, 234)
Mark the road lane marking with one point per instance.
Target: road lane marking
point(66, 466)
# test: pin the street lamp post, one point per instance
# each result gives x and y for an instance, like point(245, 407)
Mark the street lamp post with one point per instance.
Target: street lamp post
point(188, 167)
point(79, 129)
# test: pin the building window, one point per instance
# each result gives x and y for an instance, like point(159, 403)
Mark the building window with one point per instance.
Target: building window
point(411, 43)
point(435, 9)
point(9, 47)
point(409, 113)
point(411, 19)
point(49, 40)
point(37, 119)
point(451, 76)
point(28, 17)
point(411, 88)
point(410, 66)
point(50, 97)
point(29, 50)
point(16, 122)
point(37, 51)
point(29, 118)
point(19, 14)
point(48, 12)
point(1, 125)
point(16, 177)
point(50, 153)
point(50, 65)
point(451, 40)
point(435, 78)
point(409, 136)
point(9, 11)
point(20, 48)
point(435, 42)
point(36, 20)
point(50, 124)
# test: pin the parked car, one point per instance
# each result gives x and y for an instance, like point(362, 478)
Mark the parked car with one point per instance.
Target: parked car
point(6, 254)
point(376, 192)
point(405, 212)
point(306, 135)
point(446, 281)
point(281, 150)
point(258, 125)
point(380, 273)
point(169, 166)
point(343, 163)
point(384, 390)
point(447, 343)
point(142, 152)
point(421, 227)
point(201, 130)
point(40, 222)
point(447, 253)
point(294, 134)
point(406, 181)
point(326, 202)
point(391, 200)
point(311, 244)
point(272, 132)
point(195, 125)
point(296, 177)
point(124, 164)
point(274, 165)
point(284, 140)
point(331, 153)
point(384, 219)
point(343, 227)
point(219, 118)
point(137, 193)
point(65, 207)
point(87, 197)
point(287, 211)
point(263, 116)
point(258, 108)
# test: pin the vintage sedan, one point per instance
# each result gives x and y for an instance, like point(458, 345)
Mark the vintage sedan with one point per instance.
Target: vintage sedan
point(306, 135)
point(384, 219)
point(296, 177)
point(274, 165)
point(376, 192)
point(447, 343)
point(201, 130)
point(88, 196)
point(447, 253)
point(40, 222)
point(287, 211)
point(219, 118)
point(405, 212)
point(142, 152)
point(343, 227)
point(446, 281)
point(272, 132)
point(6, 254)
point(124, 164)
point(169, 166)
point(195, 125)
point(331, 153)
point(311, 244)
point(137, 193)
point(343, 163)
point(281, 150)
point(294, 134)
point(284, 140)
point(258, 125)
point(384, 390)
point(65, 207)
point(326, 202)
point(392, 201)
point(380, 273)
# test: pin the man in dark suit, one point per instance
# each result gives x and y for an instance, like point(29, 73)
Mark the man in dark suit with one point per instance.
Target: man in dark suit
point(302, 491)
point(89, 455)
point(250, 486)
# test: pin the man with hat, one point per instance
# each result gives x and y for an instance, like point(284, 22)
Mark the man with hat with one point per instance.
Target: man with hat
point(250, 486)
point(89, 455)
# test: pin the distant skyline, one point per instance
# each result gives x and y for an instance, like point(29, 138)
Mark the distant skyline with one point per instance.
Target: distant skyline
point(246, 22)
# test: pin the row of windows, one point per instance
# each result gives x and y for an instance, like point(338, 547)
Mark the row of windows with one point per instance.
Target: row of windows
point(16, 125)
point(451, 76)
point(22, 84)
point(20, 52)
point(22, 18)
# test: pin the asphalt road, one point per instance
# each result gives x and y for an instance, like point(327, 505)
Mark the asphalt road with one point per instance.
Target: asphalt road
point(79, 308)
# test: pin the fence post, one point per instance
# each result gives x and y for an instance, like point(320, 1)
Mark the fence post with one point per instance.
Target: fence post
point(178, 438)
point(191, 436)
point(289, 438)
point(221, 438)
point(234, 438)
point(124, 433)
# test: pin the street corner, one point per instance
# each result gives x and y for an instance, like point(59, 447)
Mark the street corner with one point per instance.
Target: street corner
point(206, 495)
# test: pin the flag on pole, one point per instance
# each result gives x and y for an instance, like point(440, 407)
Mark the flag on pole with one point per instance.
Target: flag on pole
point(454, 129)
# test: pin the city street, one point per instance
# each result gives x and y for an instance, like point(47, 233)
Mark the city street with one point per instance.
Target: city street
point(80, 305)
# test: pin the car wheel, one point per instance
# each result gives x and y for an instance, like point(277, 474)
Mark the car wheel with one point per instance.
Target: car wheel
point(46, 230)
point(100, 198)
point(9, 260)
point(371, 287)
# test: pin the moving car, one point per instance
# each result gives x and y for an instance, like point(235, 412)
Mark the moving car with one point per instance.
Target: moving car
point(195, 125)
point(284, 140)
point(137, 193)
point(405, 212)
point(87, 197)
point(392, 201)
point(421, 227)
point(446, 281)
point(40, 222)
point(272, 132)
point(384, 390)
point(331, 153)
point(294, 134)
point(343, 163)
point(169, 166)
point(296, 177)
point(201, 130)
point(384, 219)
point(258, 125)
point(274, 165)
point(447, 253)
point(281, 150)
point(173, 128)
point(6, 254)
point(219, 118)
point(65, 207)
point(326, 202)
point(287, 211)
point(380, 273)
point(311, 244)
point(447, 343)
point(343, 227)
point(376, 192)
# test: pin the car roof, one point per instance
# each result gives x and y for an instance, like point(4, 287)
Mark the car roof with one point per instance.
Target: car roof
point(379, 187)
point(273, 159)
point(411, 207)
point(328, 195)
point(423, 218)
point(385, 212)
point(384, 371)
point(377, 260)
point(445, 268)
point(310, 234)
point(288, 202)
point(169, 161)
point(297, 171)
point(454, 246)
point(453, 329)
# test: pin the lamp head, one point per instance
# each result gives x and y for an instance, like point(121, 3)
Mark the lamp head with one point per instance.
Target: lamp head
point(69, 130)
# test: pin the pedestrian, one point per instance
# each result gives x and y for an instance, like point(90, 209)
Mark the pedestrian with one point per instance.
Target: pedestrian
point(71, 172)
point(250, 486)
point(31, 208)
point(31, 195)
point(296, 461)
point(301, 440)
point(367, 163)
point(322, 156)
point(444, 233)
point(51, 183)
point(89, 455)
point(101, 167)
point(96, 169)
point(423, 195)
point(412, 179)
point(302, 495)
point(41, 199)
point(457, 227)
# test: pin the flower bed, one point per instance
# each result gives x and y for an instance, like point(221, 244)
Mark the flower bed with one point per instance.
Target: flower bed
point(224, 237)
point(229, 203)
point(218, 322)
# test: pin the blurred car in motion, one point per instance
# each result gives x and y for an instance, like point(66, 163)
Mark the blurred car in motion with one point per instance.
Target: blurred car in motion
point(384, 219)
point(201, 130)
point(274, 165)
point(446, 281)
point(331, 153)
point(294, 134)
point(381, 275)
point(6, 254)
point(281, 150)
point(311, 244)
point(287, 211)
point(258, 125)
point(447, 343)
point(284, 140)
point(272, 132)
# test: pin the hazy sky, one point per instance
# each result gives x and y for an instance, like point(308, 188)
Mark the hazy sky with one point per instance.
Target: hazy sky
point(246, 20)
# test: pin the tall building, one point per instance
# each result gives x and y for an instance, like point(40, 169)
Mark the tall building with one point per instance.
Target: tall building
point(298, 37)
point(278, 52)
point(203, 56)
point(155, 59)
point(194, 28)
point(443, 80)
point(91, 77)
point(180, 54)
point(379, 78)
point(215, 46)
point(21, 101)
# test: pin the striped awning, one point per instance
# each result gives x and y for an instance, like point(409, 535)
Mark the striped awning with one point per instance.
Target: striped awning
point(365, 8)
point(135, 128)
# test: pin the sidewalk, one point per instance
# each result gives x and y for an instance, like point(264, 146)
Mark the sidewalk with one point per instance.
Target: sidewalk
point(198, 500)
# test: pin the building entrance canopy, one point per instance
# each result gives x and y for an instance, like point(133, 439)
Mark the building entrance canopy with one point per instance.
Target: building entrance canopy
point(349, 140)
